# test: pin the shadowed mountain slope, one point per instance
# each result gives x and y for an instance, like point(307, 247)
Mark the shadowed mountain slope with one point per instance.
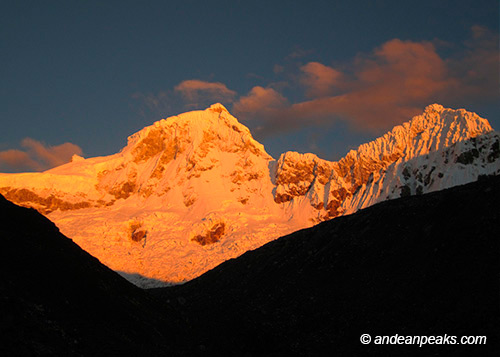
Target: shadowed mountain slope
point(421, 265)
point(56, 299)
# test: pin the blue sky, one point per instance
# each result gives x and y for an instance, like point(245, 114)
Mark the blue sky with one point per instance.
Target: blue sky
point(310, 76)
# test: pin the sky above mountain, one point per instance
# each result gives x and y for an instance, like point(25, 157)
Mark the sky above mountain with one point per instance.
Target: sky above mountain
point(310, 76)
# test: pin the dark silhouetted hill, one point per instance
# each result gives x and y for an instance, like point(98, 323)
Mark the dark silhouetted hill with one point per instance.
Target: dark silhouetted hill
point(423, 265)
point(56, 299)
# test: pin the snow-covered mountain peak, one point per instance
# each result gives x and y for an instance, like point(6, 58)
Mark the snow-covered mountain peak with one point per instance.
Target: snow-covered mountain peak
point(195, 189)
point(195, 128)
point(458, 123)
point(437, 127)
point(218, 107)
point(438, 108)
point(184, 156)
point(340, 186)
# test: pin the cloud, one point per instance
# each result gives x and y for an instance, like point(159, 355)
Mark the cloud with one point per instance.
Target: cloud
point(476, 67)
point(51, 155)
point(17, 160)
point(196, 92)
point(319, 80)
point(371, 93)
point(390, 85)
point(277, 69)
point(299, 52)
point(37, 156)
point(383, 88)
point(401, 71)
point(189, 94)
point(258, 101)
point(378, 90)
point(156, 106)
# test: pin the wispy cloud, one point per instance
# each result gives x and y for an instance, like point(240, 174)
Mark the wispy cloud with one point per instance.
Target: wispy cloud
point(319, 80)
point(260, 100)
point(154, 106)
point(377, 90)
point(187, 95)
point(37, 156)
point(197, 93)
point(14, 160)
point(476, 68)
point(372, 92)
point(384, 88)
point(299, 52)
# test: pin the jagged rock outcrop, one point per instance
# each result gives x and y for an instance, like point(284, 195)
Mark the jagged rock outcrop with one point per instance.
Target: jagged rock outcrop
point(203, 190)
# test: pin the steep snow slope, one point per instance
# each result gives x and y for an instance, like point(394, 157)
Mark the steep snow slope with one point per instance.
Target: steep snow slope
point(194, 190)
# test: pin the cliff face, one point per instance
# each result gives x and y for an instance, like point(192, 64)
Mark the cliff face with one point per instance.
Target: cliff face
point(193, 190)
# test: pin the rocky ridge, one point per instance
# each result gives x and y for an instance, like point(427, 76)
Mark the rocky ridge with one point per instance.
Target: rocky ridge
point(436, 150)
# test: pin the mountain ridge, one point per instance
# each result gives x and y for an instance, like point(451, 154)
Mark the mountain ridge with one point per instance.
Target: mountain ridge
point(193, 190)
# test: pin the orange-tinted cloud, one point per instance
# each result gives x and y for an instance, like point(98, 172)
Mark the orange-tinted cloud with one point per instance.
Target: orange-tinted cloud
point(384, 88)
point(318, 79)
point(259, 101)
point(37, 156)
point(51, 155)
point(196, 92)
point(17, 160)
point(190, 94)
point(390, 85)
